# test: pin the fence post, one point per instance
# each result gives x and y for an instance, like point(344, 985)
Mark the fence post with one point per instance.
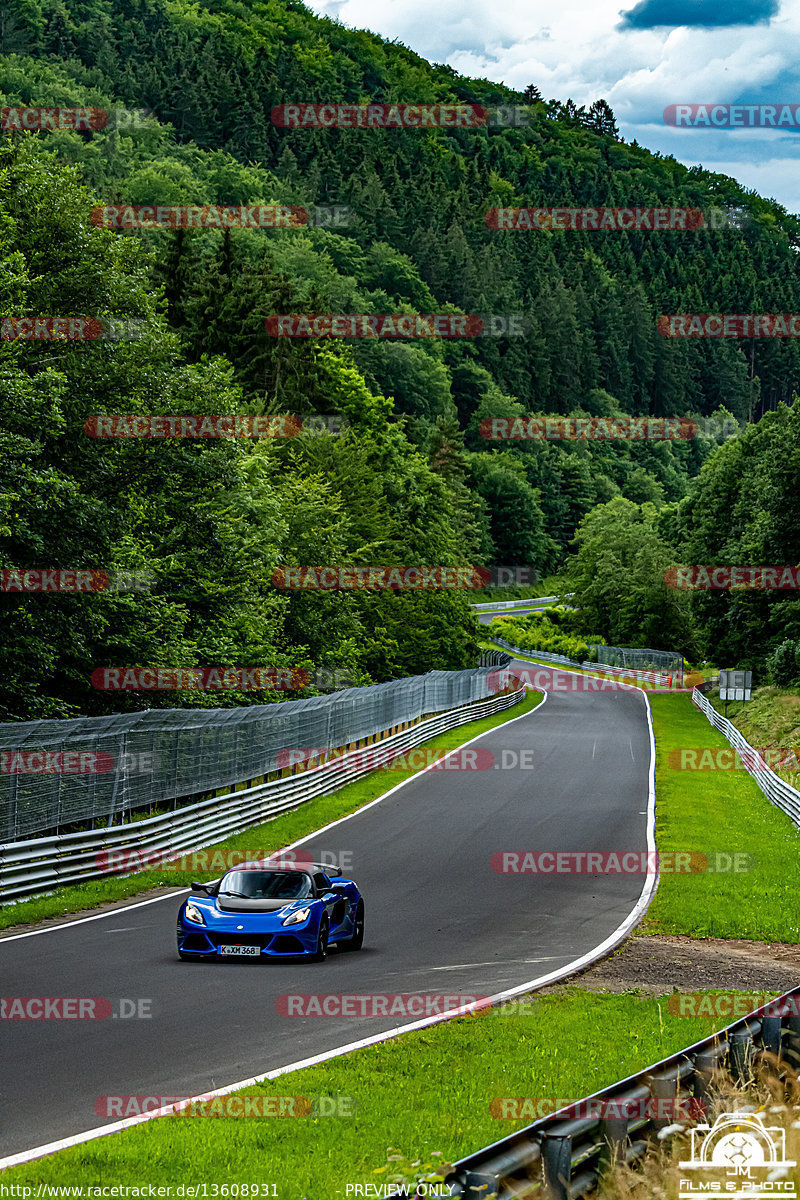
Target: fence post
point(557, 1165)
point(705, 1063)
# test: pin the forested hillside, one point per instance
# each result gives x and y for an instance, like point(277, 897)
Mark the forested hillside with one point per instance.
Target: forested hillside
point(411, 480)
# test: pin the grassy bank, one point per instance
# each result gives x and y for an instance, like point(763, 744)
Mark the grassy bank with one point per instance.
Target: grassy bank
point(770, 719)
point(443, 1080)
point(719, 814)
point(423, 1098)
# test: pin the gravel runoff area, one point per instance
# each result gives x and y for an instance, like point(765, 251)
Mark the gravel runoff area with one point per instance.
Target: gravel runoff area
point(666, 964)
point(656, 964)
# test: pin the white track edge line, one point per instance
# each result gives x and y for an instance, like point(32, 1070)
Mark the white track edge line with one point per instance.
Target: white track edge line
point(15, 937)
point(578, 964)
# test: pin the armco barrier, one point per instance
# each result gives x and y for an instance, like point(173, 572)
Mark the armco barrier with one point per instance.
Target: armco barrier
point(31, 867)
point(136, 762)
point(504, 605)
point(562, 1157)
point(494, 658)
point(780, 793)
point(657, 677)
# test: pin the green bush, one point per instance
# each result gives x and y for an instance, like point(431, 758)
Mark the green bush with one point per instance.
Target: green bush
point(783, 664)
point(540, 634)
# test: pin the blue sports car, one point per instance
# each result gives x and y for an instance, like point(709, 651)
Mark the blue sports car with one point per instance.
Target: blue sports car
point(257, 911)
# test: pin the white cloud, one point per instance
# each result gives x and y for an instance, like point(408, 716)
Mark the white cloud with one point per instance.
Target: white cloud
point(775, 178)
point(578, 50)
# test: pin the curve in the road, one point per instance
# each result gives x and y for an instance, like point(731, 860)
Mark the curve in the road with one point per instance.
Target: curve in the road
point(486, 618)
point(439, 921)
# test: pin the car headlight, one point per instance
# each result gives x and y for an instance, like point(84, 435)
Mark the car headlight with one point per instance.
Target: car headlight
point(194, 914)
point(297, 918)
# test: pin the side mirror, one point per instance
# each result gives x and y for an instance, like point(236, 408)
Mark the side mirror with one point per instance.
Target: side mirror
point(201, 887)
point(330, 896)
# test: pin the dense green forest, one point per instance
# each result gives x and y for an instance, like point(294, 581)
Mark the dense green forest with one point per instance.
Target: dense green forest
point(410, 480)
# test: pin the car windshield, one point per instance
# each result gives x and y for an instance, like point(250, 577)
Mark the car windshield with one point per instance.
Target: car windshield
point(267, 885)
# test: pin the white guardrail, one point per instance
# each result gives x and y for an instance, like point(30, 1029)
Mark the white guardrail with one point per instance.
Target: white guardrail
point(780, 793)
point(658, 677)
point(500, 605)
point(31, 867)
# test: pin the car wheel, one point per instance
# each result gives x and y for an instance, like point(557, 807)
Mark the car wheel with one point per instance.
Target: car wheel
point(322, 941)
point(357, 940)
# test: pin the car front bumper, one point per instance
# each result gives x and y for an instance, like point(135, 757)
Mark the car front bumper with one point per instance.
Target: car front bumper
point(278, 942)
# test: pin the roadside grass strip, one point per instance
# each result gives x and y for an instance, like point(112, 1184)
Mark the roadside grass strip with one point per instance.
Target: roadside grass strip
point(748, 888)
point(436, 1094)
point(720, 814)
point(273, 835)
point(361, 1123)
point(769, 720)
point(569, 668)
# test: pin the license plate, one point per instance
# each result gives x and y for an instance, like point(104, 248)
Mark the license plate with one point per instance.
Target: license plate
point(246, 951)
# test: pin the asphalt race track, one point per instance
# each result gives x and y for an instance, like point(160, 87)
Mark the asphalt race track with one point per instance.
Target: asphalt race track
point(486, 618)
point(438, 920)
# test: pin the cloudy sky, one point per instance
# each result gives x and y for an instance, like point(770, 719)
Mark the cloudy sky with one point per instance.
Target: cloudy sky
point(640, 58)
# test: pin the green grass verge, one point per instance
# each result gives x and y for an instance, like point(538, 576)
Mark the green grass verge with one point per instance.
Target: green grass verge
point(719, 812)
point(442, 1080)
point(273, 835)
point(426, 1094)
point(545, 587)
point(543, 662)
point(770, 718)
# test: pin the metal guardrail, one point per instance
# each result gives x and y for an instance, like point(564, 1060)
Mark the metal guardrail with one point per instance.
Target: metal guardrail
point(641, 658)
point(28, 868)
point(494, 658)
point(501, 605)
point(602, 668)
point(553, 658)
point(563, 1156)
point(58, 776)
point(777, 791)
